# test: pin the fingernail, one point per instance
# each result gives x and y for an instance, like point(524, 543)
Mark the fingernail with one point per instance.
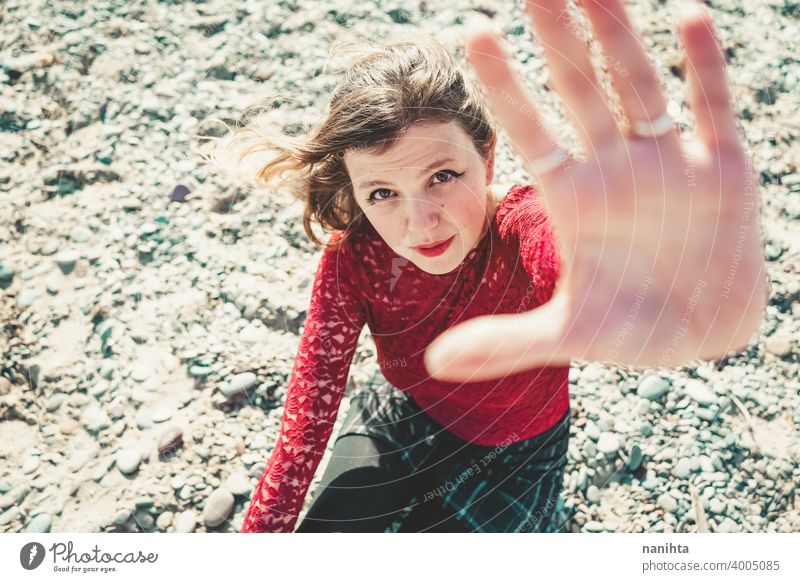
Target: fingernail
point(690, 11)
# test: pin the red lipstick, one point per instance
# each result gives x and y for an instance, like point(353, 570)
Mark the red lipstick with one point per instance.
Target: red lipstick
point(435, 249)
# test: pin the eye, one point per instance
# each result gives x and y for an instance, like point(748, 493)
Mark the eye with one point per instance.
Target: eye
point(446, 176)
point(378, 192)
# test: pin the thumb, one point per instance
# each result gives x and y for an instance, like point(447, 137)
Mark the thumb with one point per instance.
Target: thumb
point(494, 346)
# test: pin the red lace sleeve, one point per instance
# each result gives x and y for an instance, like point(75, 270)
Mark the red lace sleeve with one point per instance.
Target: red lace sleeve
point(527, 219)
point(332, 327)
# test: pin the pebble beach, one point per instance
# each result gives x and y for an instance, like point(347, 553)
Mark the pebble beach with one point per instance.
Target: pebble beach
point(152, 304)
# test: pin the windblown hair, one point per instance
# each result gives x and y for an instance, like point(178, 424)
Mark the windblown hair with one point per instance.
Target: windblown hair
point(386, 89)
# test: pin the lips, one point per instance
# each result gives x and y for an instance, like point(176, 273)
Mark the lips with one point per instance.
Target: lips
point(435, 249)
point(431, 245)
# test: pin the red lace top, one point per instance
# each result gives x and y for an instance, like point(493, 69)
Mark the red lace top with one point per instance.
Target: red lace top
point(513, 268)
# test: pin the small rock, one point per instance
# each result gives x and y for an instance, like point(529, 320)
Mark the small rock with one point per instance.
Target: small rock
point(778, 344)
point(238, 484)
point(682, 468)
point(667, 503)
point(164, 520)
point(66, 261)
point(238, 384)
point(652, 388)
point(54, 402)
point(186, 522)
point(700, 393)
point(30, 465)
point(128, 460)
point(593, 526)
point(95, 419)
point(593, 494)
point(40, 524)
point(170, 440)
point(122, 517)
point(80, 234)
point(608, 443)
point(9, 515)
point(592, 431)
point(218, 507)
point(716, 506)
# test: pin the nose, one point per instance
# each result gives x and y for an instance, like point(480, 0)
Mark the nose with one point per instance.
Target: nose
point(422, 215)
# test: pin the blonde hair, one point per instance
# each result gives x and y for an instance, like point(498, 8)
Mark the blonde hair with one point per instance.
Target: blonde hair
point(386, 89)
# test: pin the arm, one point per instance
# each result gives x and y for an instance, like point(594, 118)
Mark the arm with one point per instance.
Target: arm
point(333, 325)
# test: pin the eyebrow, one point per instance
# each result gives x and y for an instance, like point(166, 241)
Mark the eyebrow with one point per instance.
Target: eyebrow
point(421, 173)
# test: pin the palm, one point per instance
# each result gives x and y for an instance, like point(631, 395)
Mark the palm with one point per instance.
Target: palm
point(660, 242)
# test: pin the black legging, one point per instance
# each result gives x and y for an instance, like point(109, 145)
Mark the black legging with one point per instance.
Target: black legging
point(365, 489)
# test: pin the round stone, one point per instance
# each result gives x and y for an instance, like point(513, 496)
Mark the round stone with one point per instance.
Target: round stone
point(66, 261)
point(170, 440)
point(40, 524)
point(700, 393)
point(238, 484)
point(218, 507)
point(164, 520)
point(128, 460)
point(186, 522)
point(652, 388)
point(30, 465)
point(238, 384)
point(594, 526)
point(682, 468)
point(667, 503)
point(608, 443)
point(80, 234)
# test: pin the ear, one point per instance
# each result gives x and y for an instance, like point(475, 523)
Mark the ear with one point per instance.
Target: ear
point(490, 163)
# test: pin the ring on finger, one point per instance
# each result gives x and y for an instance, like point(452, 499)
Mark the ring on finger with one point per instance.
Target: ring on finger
point(548, 162)
point(657, 127)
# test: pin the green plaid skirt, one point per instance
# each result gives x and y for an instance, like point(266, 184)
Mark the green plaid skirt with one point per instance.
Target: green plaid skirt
point(510, 487)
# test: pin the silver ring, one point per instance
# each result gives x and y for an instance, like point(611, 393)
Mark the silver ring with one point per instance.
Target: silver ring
point(548, 162)
point(659, 126)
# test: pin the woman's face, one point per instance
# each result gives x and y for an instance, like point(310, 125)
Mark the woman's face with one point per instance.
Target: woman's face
point(431, 186)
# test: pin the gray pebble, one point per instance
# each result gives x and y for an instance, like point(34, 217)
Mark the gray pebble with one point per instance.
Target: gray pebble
point(593, 494)
point(608, 443)
point(122, 517)
point(667, 503)
point(54, 402)
point(218, 507)
point(700, 393)
point(40, 524)
point(66, 261)
point(95, 419)
point(592, 431)
point(238, 384)
point(716, 506)
point(128, 460)
point(30, 465)
point(594, 526)
point(652, 388)
point(9, 515)
point(682, 468)
point(186, 522)
point(238, 484)
point(164, 520)
point(80, 234)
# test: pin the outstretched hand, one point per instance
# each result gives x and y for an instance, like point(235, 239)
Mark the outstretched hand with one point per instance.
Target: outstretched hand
point(660, 240)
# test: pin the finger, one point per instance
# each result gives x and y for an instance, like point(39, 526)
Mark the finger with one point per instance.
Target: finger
point(572, 71)
point(494, 346)
point(632, 73)
point(507, 99)
point(708, 87)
